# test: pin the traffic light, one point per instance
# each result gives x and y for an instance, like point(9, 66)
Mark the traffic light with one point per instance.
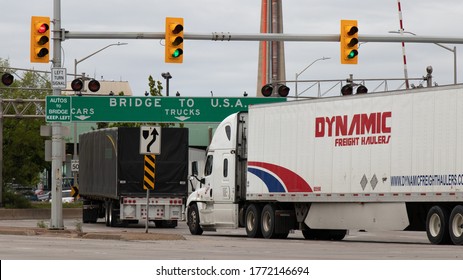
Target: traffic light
point(40, 39)
point(7, 79)
point(282, 90)
point(349, 41)
point(362, 89)
point(347, 89)
point(267, 90)
point(94, 85)
point(78, 85)
point(174, 40)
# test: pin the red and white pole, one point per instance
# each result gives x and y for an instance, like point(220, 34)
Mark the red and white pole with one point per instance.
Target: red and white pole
point(401, 30)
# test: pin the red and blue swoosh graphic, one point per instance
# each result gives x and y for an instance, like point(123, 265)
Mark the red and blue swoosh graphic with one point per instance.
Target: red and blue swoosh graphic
point(278, 178)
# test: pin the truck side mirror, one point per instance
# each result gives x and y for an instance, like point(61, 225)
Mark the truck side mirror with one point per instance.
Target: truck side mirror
point(194, 168)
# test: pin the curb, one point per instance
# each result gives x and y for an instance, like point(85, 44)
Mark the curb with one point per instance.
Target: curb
point(25, 214)
point(125, 236)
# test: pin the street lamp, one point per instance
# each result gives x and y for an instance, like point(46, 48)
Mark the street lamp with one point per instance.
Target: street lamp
point(75, 77)
point(298, 74)
point(92, 54)
point(167, 76)
point(454, 50)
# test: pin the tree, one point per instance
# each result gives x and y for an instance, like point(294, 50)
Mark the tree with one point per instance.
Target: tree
point(23, 147)
point(155, 87)
point(156, 90)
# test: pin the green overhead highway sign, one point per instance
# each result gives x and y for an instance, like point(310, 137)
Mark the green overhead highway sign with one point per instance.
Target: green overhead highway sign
point(147, 109)
point(58, 109)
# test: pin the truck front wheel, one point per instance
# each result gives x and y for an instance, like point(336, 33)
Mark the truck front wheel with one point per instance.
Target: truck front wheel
point(193, 220)
point(252, 220)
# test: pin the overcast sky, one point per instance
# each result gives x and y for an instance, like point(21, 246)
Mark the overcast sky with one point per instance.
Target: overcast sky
point(230, 68)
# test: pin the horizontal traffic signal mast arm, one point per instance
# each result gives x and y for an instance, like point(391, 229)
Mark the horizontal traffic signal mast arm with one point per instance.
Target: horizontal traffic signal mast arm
point(225, 36)
point(21, 108)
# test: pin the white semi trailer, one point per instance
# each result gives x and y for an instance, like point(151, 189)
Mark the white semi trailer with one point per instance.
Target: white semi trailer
point(381, 161)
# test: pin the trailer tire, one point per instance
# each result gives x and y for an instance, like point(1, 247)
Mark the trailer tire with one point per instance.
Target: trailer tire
point(111, 221)
point(437, 228)
point(456, 225)
point(193, 220)
point(268, 221)
point(112, 216)
point(107, 218)
point(252, 221)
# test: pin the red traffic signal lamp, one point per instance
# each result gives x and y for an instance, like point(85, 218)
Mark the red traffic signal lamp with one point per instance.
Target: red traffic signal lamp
point(7, 79)
point(174, 40)
point(40, 39)
point(349, 41)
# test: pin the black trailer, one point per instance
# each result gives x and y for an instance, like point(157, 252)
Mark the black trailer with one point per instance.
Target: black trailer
point(112, 172)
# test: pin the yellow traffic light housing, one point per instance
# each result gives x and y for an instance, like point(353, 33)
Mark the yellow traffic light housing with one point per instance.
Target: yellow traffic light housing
point(40, 39)
point(174, 40)
point(349, 41)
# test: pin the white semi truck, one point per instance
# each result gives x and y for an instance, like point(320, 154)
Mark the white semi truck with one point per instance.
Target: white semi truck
point(380, 161)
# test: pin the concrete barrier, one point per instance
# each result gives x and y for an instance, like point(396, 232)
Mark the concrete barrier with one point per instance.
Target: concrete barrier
point(33, 214)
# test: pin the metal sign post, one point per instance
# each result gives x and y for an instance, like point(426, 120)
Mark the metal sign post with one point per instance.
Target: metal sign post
point(150, 146)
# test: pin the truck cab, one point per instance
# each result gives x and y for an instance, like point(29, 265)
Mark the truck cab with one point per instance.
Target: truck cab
point(216, 203)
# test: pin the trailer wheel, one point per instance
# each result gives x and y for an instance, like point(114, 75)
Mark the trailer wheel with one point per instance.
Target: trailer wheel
point(268, 221)
point(437, 228)
point(193, 220)
point(107, 213)
point(456, 225)
point(111, 221)
point(112, 216)
point(252, 220)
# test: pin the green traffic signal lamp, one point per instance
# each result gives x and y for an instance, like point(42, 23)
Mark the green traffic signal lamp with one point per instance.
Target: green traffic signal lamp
point(177, 53)
point(352, 54)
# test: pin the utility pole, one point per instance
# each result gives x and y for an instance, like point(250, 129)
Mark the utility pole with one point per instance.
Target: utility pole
point(167, 76)
point(56, 221)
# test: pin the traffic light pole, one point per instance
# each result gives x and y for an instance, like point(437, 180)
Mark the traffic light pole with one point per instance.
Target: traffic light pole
point(224, 36)
point(56, 221)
